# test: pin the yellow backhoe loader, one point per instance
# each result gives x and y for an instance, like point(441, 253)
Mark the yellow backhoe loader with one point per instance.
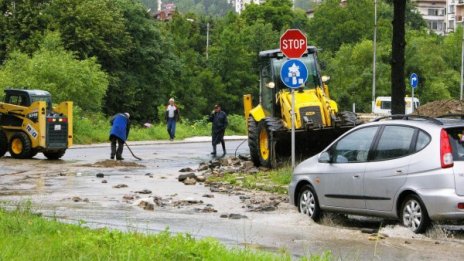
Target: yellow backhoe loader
point(29, 125)
point(317, 118)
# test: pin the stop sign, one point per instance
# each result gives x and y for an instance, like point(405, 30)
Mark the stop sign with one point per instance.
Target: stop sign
point(293, 43)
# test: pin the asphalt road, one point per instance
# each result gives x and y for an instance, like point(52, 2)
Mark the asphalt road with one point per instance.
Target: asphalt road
point(69, 189)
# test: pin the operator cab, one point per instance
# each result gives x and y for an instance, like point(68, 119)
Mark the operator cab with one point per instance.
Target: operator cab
point(271, 62)
point(27, 97)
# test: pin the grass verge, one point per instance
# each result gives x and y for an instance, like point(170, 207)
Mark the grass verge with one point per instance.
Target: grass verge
point(27, 236)
point(95, 128)
point(275, 180)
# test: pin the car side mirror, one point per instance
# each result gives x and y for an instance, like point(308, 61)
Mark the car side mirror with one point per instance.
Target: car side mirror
point(324, 157)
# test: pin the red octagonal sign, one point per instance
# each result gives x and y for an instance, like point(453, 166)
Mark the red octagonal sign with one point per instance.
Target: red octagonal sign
point(293, 43)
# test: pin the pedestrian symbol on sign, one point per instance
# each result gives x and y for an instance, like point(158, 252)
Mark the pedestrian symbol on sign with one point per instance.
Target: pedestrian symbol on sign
point(294, 73)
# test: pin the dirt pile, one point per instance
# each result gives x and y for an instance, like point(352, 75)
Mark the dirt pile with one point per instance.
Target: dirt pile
point(441, 107)
point(114, 163)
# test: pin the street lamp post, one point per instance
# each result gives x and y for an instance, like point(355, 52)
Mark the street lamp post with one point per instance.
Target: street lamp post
point(462, 61)
point(375, 55)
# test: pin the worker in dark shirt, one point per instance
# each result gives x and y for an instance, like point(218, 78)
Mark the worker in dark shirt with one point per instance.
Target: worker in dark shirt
point(219, 120)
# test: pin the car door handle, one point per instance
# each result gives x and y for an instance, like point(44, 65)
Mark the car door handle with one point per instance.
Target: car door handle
point(399, 171)
point(356, 176)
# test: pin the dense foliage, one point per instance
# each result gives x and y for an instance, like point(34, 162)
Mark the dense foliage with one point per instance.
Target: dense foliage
point(112, 56)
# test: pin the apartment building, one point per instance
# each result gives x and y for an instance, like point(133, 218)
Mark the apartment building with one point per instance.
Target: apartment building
point(455, 11)
point(442, 16)
point(434, 13)
point(240, 5)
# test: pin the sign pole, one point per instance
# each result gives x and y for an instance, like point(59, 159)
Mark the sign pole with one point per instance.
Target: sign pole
point(413, 81)
point(462, 63)
point(293, 73)
point(412, 100)
point(293, 129)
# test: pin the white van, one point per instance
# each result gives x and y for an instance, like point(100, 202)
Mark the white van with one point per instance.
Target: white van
point(383, 105)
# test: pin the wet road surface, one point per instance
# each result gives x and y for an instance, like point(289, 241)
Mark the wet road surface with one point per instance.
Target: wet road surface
point(69, 189)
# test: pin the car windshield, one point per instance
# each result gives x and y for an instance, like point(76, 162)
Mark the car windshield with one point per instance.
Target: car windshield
point(457, 143)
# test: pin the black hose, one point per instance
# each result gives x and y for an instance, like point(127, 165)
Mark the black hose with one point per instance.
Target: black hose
point(131, 151)
point(239, 147)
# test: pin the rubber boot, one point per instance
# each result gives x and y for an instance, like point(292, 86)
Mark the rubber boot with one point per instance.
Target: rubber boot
point(214, 151)
point(223, 148)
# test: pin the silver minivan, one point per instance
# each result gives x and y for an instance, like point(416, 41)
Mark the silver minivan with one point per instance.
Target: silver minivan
point(409, 168)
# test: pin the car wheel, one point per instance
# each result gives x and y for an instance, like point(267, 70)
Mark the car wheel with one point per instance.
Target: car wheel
point(20, 146)
point(414, 214)
point(308, 203)
point(3, 143)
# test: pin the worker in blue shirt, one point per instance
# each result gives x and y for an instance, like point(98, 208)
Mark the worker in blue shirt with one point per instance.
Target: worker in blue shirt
point(120, 126)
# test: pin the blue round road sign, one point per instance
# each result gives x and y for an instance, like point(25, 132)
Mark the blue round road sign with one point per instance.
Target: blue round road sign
point(294, 73)
point(414, 80)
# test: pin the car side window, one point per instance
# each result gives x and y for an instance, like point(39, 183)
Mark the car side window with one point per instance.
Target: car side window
point(394, 142)
point(354, 147)
point(456, 137)
point(422, 140)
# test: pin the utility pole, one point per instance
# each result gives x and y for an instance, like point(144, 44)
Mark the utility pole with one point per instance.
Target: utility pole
point(375, 55)
point(462, 61)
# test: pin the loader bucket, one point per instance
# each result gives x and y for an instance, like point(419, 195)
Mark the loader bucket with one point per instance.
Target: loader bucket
point(307, 143)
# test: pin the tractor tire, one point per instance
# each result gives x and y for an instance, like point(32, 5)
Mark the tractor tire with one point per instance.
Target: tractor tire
point(34, 152)
point(253, 140)
point(262, 150)
point(259, 143)
point(264, 145)
point(54, 155)
point(3, 143)
point(20, 146)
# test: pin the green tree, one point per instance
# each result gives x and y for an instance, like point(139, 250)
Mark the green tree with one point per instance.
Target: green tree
point(21, 24)
point(425, 57)
point(232, 61)
point(143, 79)
point(452, 48)
point(91, 28)
point(276, 12)
point(351, 74)
point(198, 7)
point(56, 70)
point(334, 24)
point(190, 88)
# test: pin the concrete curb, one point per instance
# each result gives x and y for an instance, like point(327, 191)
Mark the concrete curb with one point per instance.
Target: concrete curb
point(155, 142)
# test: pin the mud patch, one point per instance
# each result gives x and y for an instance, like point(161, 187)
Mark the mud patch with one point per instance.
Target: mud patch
point(114, 164)
point(442, 107)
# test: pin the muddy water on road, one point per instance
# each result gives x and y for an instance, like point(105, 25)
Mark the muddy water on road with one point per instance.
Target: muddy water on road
point(70, 190)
